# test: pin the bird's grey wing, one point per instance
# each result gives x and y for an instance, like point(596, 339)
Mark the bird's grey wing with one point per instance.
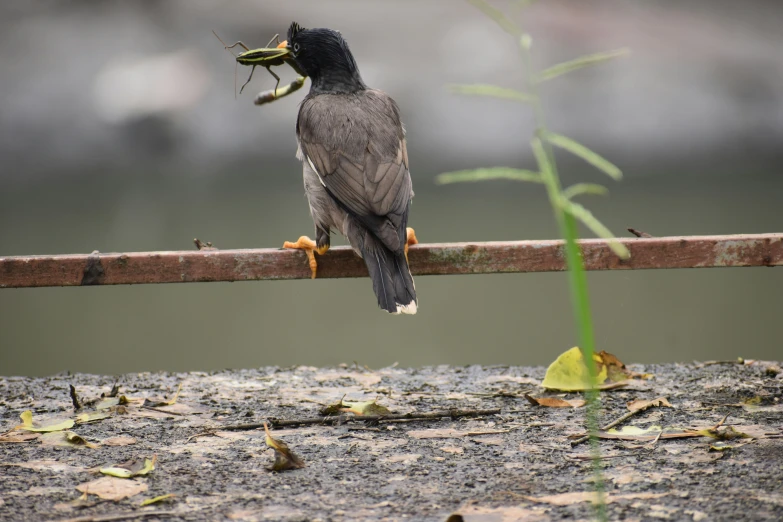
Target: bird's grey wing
point(356, 145)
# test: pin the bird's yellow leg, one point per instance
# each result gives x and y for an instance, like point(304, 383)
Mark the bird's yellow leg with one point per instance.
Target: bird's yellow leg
point(309, 247)
point(411, 240)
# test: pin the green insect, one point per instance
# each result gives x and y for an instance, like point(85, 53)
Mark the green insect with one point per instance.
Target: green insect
point(265, 57)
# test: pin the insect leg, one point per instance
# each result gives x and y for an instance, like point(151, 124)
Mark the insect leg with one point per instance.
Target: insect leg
point(248, 79)
point(276, 78)
point(275, 37)
point(243, 46)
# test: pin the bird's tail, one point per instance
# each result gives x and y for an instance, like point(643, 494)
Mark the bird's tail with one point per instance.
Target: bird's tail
point(391, 278)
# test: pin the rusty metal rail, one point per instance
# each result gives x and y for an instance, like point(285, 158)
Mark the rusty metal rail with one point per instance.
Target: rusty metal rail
point(429, 259)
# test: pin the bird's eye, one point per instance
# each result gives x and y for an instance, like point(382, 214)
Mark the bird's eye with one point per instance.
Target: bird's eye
point(296, 47)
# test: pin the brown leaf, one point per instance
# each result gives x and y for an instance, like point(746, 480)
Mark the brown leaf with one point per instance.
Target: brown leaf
point(18, 437)
point(285, 459)
point(112, 488)
point(554, 402)
point(640, 404)
point(65, 439)
point(46, 465)
point(119, 441)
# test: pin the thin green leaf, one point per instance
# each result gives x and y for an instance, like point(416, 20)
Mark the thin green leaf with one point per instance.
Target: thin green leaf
point(577, 149)
point(584, 188)
point(463, 176)
point(598, 228)
point(579, 63)
point(481, 89)
point(498, 16)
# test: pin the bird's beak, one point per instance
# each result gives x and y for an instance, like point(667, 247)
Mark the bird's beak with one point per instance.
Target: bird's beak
point(283, 44)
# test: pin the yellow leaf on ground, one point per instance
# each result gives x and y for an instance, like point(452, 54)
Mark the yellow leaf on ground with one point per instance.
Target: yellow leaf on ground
point(155, 500)
point(365, 408)
point(92, 416)
point(112, 488)
point(570, 373)
point(29, 425)
point(110, 402)
point(131, 468)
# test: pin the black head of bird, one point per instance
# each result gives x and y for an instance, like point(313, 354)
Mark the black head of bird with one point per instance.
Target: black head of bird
point(324, 56)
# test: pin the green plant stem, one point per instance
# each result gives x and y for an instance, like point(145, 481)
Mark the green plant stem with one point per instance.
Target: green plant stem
point(576, 275)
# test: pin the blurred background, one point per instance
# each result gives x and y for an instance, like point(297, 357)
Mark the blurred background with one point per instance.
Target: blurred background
point(119, 131)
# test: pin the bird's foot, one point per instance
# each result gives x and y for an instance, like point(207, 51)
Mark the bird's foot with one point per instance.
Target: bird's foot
point(411, 240)
point(310, 248)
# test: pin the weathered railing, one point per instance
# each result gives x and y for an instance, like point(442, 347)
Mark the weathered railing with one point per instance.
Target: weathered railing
point(426, 259)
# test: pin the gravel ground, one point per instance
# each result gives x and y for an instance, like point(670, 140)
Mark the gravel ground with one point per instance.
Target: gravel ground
point(518, 464)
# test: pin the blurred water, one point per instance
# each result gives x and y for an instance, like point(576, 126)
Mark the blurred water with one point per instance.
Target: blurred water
point(644, 316)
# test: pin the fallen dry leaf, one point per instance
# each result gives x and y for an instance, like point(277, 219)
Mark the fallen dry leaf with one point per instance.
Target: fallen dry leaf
point(570, 373)
point(285, 459)
point(118, 441)
point(18, 437)
point(92, 416)
point(157, 499)
point(55, 425)
point(112, 488)
point(640, 404)
point(365, 408)
point(156, 403)
point(452, 449)
point(111, 402)
point(722, 433)
point(131, 468)
point(554, 402)
point(47, 465)
point(66, 439)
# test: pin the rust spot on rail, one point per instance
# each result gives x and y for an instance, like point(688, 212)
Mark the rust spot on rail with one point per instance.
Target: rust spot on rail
point(425, 259)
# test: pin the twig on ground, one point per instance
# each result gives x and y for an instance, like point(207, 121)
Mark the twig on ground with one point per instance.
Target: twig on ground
point(159, 410)
point(339, 419)
point(122, 516)
point(615, 422)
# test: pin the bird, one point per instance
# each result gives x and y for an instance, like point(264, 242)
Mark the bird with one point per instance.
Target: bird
point(351, 142)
